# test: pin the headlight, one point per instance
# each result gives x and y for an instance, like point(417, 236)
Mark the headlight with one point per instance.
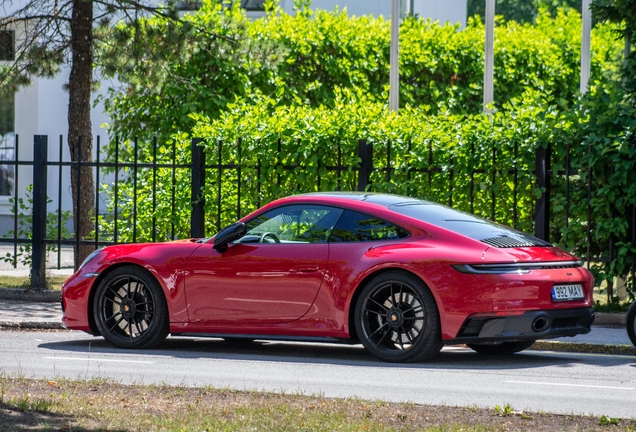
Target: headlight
point(88, 258)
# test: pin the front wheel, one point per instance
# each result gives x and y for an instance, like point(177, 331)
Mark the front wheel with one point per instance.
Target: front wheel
point(631, 323)
point(130, 309)
point(500, 348)
point(397, 320)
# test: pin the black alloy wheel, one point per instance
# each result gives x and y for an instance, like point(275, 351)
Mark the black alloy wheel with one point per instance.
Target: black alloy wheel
point(631, 323)
point(500, 348)
point(397, 320)
point(130, 309)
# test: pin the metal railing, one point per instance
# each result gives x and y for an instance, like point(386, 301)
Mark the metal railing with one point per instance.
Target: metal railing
point(208, 171)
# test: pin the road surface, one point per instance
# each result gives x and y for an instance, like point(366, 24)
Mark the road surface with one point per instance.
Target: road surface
point(538, 381)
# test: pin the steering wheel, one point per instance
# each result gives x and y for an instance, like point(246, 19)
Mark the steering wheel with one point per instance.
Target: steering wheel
point(271, 235)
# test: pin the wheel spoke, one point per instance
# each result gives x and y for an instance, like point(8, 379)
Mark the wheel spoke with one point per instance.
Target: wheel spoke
point(378, 329)
point(128, 292)
point(374, 312)
point(144, 303)
point(400, 294)
point(415, 309)
point(110, 288)
point(399, 340)
point(408, 335)
point(118, 303)
point(139, 330)
point(392, 297)
point(113, 315)
point(116, 324)
point(384, 308)
point(383, 336)
point(130, 333)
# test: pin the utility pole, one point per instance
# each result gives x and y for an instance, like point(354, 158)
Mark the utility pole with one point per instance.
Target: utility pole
point(585, 45)
point(489, 56)
point(394, 74)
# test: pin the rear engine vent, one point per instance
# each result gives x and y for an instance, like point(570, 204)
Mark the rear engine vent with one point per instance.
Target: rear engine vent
point(511, 242)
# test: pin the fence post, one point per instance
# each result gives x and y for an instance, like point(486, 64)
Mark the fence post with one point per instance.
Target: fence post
point(38, 248)
point(542, 207)
point(365, 152)
point(197, 229)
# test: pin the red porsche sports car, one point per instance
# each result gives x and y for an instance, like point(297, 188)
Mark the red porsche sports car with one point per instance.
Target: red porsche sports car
point(400, 275)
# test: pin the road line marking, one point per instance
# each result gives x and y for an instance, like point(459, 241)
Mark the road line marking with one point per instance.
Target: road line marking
point(100, 360)
point(570, 385)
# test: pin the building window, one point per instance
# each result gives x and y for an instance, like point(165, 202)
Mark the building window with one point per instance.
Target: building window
point(7, 119)
point(7, 142)
point(7, 44)
point(253, 5)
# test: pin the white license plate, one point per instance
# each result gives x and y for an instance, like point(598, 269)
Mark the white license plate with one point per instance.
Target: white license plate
point(567, 292)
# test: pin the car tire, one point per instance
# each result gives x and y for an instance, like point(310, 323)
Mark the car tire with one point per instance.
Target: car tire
point(396, 319)
point(130, 309)
point(631, 323)
point(500, 348)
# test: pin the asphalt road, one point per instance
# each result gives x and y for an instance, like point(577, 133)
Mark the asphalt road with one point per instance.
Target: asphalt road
point(539, 381)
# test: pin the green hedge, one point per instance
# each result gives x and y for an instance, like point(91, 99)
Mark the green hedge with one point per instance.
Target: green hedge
point(219, 55)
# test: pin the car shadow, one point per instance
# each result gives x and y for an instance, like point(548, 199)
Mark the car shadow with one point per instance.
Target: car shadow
point(451, 357)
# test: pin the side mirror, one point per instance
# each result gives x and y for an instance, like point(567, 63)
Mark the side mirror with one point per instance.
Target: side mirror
point(229, 234)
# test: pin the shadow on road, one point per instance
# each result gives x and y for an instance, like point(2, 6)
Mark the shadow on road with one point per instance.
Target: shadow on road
point(352, 355)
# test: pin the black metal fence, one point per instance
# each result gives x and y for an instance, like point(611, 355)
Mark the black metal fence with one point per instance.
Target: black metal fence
point(208, 173)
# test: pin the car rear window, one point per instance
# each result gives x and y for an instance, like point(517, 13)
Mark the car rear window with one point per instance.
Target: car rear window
point(468, 225)
point(360, 227)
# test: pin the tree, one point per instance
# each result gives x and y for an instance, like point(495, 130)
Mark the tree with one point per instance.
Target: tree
point(50, 33)
point(623, 13)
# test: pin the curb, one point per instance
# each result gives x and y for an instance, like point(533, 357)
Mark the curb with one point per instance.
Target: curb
point(30, 295)
point(583, 348)
point(610, 319)
point(32, 325)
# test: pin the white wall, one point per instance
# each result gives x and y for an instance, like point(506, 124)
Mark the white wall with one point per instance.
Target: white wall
point(453, 11)
point(42, 109)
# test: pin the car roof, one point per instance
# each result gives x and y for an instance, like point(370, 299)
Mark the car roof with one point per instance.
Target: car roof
point(441, 216)
point(385, 200)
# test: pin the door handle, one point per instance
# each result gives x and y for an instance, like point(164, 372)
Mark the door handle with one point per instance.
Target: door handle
point(305, 269)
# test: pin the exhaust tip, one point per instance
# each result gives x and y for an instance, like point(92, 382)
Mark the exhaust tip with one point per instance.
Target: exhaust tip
point(540, 324)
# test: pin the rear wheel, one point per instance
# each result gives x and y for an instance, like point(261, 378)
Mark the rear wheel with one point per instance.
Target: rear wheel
point(397, 320)
point(500, 348)
point(631, 323)
point(130, 309)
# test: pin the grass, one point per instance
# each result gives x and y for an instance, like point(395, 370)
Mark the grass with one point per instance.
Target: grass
point(41, 405)
point(23, 282)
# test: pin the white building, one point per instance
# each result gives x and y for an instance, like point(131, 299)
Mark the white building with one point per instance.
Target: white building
point(41, 108)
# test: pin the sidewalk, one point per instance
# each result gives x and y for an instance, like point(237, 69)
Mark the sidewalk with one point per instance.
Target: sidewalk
point(16, 314)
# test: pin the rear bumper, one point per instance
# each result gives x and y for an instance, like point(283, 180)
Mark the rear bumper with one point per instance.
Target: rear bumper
point(531, 325)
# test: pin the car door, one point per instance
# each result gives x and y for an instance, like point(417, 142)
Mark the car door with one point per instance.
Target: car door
point(271, 275)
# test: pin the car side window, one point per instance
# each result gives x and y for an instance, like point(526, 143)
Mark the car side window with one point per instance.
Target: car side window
point(293, 224)
point(359, 227)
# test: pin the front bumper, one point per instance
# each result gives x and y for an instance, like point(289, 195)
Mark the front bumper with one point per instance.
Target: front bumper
point(531, 325)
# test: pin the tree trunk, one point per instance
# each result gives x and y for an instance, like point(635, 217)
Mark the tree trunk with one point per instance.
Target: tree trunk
point(80, 138)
